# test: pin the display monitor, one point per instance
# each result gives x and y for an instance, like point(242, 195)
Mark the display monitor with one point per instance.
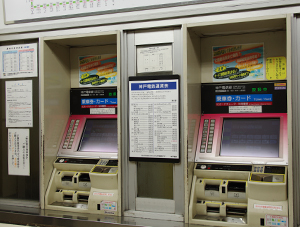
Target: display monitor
point(99, 135)
point(90, 136)
point(253, 137)
point(260, 138)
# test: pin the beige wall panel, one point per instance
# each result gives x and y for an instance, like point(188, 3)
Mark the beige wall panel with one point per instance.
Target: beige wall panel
point(56, 101)
point(193, 107)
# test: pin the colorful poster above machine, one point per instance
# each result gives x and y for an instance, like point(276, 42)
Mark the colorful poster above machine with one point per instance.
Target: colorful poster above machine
point(98, 70)
point(243, 62)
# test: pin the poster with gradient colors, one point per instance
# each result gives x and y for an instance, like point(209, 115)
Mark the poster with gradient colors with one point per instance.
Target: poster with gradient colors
point(98, 70)
point(243, 62)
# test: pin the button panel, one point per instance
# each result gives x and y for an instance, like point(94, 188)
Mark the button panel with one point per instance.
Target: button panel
point(69, 139)
point(258, 169)
point(207, 135)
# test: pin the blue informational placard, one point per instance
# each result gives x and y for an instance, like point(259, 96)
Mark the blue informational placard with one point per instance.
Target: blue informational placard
point(100, 101)
point(244, 98)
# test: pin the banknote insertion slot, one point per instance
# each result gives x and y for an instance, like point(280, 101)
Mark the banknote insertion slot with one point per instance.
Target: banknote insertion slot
point(213, 209)
point(68, 197)
point(67, 178)
point(83, 198)
point(212, 187)
point(236, 186)
point(84, 177)
point(236, 211)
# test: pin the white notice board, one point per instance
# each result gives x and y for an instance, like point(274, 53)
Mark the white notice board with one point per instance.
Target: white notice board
point(18, 61)
point(18, 152)
point(26, 10)
point(18, 103)
point(154, 118)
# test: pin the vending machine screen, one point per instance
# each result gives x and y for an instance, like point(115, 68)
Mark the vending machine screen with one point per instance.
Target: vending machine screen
point(99, 135)
point(256, 137)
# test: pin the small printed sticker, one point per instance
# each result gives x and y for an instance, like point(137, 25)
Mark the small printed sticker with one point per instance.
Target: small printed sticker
point(280, 86)
point(108, 205)
point(245, 109)
point(276, 220)
point(102, 111)
point(103, 194)
point(267, 207)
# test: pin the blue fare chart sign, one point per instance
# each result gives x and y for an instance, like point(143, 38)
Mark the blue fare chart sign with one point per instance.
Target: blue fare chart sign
point(153, 86)
point(154, 119)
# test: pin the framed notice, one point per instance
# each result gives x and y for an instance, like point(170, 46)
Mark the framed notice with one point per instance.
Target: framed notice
point(18, 61)
point(18, 103)
point(32, 10)
point(18, 152)
point(154, 118)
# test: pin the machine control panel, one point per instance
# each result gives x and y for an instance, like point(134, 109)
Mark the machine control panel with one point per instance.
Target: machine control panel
point(207, 135)
point(69, 138)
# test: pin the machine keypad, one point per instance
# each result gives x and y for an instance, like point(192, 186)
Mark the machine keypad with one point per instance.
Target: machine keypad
point(68, 142)
point(208, 128)
point(103, 162)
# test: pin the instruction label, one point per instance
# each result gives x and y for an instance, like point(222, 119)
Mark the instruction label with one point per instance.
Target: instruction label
point(18, 152)
point(18, 103)
point(154, 59)
point(276, 68)
point(267, 207)
point(276, 220)
point(108, 206)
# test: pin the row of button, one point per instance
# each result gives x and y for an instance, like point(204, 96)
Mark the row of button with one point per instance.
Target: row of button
point(103, 162)
point(258, 169)
point(207, 135)
point(68, 142)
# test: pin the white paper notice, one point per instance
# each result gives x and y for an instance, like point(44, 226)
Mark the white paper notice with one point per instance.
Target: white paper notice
point(154, 59)
point(18, 103)
point(18, 152)
point(154, 123)
point(18, 61)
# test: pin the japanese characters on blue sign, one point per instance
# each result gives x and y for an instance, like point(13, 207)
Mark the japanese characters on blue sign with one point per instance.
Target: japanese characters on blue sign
point(244, 98)
point(100, 101)
point(153, 86)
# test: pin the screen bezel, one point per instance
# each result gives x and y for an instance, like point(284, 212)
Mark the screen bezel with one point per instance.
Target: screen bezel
point(215, 155)
point(73, 152)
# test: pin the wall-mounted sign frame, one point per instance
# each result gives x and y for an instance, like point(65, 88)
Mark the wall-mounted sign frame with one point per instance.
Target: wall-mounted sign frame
point(154, 118)
point(32, 10)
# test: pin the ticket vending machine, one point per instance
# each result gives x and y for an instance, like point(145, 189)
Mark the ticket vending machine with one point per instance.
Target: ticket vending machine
point(85, 175)
point(240, 172)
